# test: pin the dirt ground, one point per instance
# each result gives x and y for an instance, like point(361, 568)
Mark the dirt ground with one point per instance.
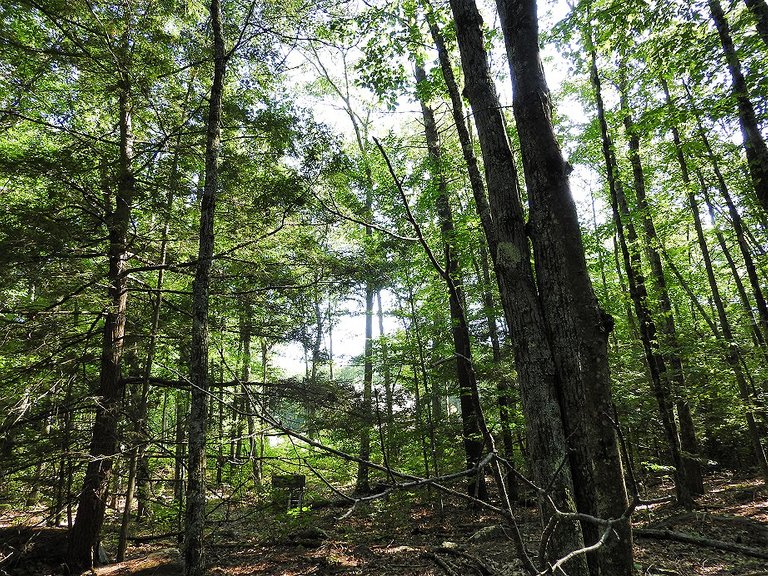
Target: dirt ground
point(409, 536)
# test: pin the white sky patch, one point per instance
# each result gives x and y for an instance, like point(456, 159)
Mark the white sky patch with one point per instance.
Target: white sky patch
point(349, 330)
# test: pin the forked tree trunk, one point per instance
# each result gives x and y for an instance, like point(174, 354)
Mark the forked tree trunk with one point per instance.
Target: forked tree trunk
point(193, 552)
point(577, 325)
point(520, 299)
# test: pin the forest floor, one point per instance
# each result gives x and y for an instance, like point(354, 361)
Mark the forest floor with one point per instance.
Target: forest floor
point(409, 535)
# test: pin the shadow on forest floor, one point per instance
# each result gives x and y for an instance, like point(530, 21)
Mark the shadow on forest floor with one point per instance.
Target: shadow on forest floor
point(410, 536)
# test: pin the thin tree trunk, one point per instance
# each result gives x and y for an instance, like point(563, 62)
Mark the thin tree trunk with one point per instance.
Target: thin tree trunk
point(688, 442)
point(470, 411)
point(732, 351)
point(628, 242)
point(433, 415)
point(520, 299)
point(759, 10)
point(362, 484)
point(503, 387)
point(193, 554)
point(85, 533)
point(388, 386)
point(483, 209)
point(62, 500)
point(754, 144)
point(736, 221)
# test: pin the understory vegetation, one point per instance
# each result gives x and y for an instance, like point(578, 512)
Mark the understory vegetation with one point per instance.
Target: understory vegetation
point(280, 280)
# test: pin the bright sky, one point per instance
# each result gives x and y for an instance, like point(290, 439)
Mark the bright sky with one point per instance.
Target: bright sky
point(348, 335)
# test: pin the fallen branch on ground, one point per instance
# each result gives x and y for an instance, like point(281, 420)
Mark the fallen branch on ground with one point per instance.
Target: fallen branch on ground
point(701, 541)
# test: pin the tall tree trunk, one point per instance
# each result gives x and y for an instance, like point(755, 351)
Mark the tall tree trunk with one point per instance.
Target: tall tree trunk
point(577, 325)
point(457, 110)
point(732, 351)
point(362, 483)
point(470, 411)
point(483, 208)
point(388, 386)
point(62, 499)
point(84, 536)
point(520, 299)
point(193, 554)
point(688, 442)
point(736, 221)
point(628, 242)
point(754, 144)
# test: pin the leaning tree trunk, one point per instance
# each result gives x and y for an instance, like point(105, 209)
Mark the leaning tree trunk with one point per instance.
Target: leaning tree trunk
point(84, 536)
point(732, 352)
point(517, 287)
point(578, 326)
point(666, 325)
point(628, 242)
point(470, 411)
point(484, 211)
point(738, 225)
point(759, 10)
point(754, 144)
point(193, 554)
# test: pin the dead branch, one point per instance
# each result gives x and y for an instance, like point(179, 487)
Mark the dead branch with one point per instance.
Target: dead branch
point(701, 541)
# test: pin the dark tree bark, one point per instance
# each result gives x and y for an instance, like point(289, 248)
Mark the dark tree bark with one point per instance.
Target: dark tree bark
point(688, 442)
point(754, 144)
point(520, 299)
point(738, 225)
point(759, 10)
point(483, 208)
point(628, 242)
point(577, 325)
point(84, 536)
point(470, 411)
point(193, 553)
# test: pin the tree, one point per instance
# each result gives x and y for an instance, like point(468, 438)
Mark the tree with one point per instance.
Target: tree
point(577, 324)
point(193, 555)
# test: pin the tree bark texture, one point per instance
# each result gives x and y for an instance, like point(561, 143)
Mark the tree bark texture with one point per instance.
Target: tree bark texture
point(193, 553)
point(520, 300)
point(84, 536)
point(577, 325)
